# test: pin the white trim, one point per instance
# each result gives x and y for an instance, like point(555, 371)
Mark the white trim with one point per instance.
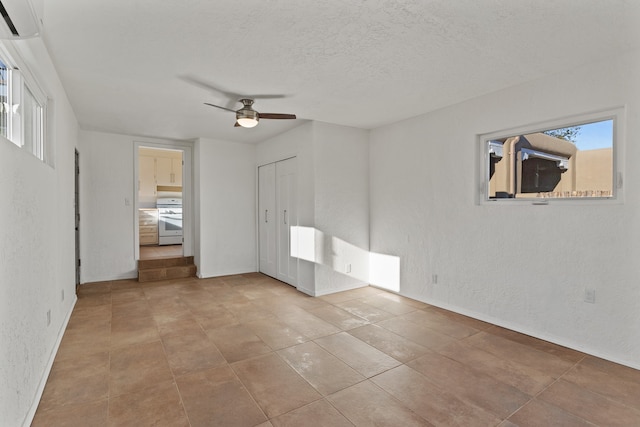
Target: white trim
point(28, 419)
point(526, 331)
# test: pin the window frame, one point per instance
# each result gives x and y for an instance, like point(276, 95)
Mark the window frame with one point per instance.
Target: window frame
point(22, 81)
point(617, 115)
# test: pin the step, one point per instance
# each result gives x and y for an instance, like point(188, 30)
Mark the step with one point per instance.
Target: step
point(166, 268)
point(144, 264)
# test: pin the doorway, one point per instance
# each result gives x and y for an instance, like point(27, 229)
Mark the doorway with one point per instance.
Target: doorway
point(162, 200)
point(76, 206)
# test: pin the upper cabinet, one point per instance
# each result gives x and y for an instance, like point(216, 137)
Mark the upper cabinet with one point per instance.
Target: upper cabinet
point(169, 171)
point(147, 180)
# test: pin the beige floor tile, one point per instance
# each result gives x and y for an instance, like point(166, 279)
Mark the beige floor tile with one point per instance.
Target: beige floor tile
point(430, 401)
point(307, 302)
point(92, 414)
point(185, 324)
point(400, 348)
point(192, 351)
point(338, 317)
point(131, 294)
point(78, 380)
point(363, 292)
point(276, 387)
point(417, 333)
point(157, 406)
point(237, 342)
point(157, 290)
point(364, 310)
point(442, 324)
point(390, 305)
point(525, 379)
point(460, 318)
point(80, 342)
point(135, 330)
point(616, 388)
point(94, 289)
point(309, 325)
point(539, 413)
point(133, 352)
point(589, 405)
point(216, 397)
point(319, 413)
point(611, 368)
point(90, 317)
point(218, 318)
point(520, 353)
point(325, 372)
point(365, 404)
point(276, 334)
point(362, 357)
point(130, 309)
point(469, 385)
point(564, 353)
point(137, 367)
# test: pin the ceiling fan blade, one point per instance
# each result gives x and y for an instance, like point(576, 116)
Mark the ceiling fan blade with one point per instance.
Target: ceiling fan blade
point(276, 116)
point(268, 96)
point(222, 108)
point(195, 81)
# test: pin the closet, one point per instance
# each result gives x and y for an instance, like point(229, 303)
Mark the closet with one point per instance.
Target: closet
point(277, 213)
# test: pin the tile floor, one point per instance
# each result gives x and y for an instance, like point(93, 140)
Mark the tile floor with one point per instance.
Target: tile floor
point(248, 350)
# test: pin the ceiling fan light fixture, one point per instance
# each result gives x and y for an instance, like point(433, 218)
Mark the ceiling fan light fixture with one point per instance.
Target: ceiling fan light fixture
point(247, 118)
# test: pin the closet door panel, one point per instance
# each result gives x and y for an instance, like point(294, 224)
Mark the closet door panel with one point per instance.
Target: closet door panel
point(286, 186)
point(267, 218)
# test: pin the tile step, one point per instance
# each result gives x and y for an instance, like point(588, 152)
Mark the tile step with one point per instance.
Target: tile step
point(152, 270)
point(144, 264)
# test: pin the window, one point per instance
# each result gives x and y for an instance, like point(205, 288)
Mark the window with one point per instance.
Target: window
point(22, 107)
point(564, 160)
point(4, 100)
point(32, 119)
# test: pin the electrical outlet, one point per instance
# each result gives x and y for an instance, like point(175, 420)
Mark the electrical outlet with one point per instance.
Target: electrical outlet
point(590, 295)
point(63, 295)
point(434, 279)
point(48, 317)
point(347, 268)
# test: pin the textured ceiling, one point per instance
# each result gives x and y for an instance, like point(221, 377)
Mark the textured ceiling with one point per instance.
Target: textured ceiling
point(140, 67)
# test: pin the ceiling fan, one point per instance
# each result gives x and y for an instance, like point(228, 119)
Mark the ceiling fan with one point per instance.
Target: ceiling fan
point(247, 117)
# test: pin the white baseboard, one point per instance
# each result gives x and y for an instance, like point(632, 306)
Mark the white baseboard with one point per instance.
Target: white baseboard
point(533, 333)
point(45, 375)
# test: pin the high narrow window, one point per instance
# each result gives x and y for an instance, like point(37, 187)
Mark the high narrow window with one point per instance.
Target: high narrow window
point(4, 99)
point(33, 124)
point(22, 108)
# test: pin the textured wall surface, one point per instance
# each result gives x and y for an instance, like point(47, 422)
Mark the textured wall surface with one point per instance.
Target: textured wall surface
point(36, 251)
point(227, 207)
point(522, 266)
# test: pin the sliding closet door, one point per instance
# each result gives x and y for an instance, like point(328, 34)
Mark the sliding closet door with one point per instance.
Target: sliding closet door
point(267, 218)
point(287, 217)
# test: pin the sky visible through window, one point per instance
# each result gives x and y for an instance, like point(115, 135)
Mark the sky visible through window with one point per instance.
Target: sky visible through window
point(595, 135)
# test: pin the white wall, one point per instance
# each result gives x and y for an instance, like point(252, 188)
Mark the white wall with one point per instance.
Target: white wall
point(333, 200)
point(225, 175)
point(341, 207)
point(107, 203)
point(36, 250)
point(107, 223)
point(424, 182)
